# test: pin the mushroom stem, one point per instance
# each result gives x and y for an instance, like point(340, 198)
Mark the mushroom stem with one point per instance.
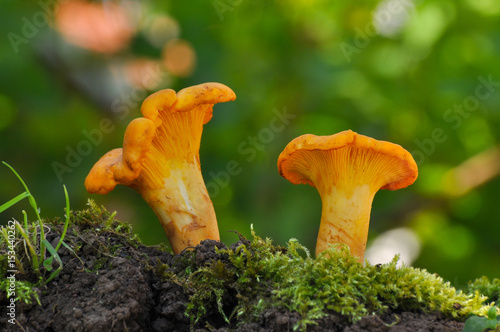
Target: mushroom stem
point(183, 206)
point(345, 218)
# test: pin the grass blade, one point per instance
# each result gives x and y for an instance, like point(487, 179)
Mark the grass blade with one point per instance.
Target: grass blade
point(18, 176)
point(25, 219)
point(30, 247)
point(74, 253)
point(14, 201)
point(55, 256)
point(66, 223)
point(6, 237)
point(34, 206)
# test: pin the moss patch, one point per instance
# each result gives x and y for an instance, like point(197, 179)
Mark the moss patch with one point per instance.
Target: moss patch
point(112, 280)
point(487, 287)
point(262, 276)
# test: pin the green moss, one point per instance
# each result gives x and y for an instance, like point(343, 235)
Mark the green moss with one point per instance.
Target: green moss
point(24, 290)
point(260, 275)
point(486, 287)
point(335, 281)
point(101, 220)
point(207, 285)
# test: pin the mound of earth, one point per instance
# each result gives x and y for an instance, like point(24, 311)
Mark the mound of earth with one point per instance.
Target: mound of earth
point(111, 283)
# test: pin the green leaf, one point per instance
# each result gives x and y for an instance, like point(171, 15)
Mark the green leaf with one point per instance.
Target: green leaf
point(47, 264)
point(492, 312)
point(475, 324)
point(491, 324)
point(13, 201)
point(479, 324)
point(55, 255)
point(68, 247)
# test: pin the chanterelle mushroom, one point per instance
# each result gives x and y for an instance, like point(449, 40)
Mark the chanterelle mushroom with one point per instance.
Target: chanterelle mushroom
point(160, 160)
point(347, 169)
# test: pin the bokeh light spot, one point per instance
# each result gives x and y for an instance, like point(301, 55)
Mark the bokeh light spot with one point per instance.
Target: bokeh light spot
point(391, 16)
point(485, 7)
point(161, 29)
point(403, 241)
point(104, 28)
point(145, 73)
point(179, 58)
point(427, 26)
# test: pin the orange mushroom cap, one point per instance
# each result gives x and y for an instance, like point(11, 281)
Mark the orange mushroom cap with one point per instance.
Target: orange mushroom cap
point(349, 157)
point(166, 131)
point(122, 166)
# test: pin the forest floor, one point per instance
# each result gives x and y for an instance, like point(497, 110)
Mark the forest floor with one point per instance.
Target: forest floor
point(111, 282)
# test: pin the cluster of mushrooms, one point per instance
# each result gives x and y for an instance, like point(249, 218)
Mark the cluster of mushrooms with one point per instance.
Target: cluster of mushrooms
point(160, 160)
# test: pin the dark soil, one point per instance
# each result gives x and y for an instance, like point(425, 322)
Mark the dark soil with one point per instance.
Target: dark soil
point(118, 288)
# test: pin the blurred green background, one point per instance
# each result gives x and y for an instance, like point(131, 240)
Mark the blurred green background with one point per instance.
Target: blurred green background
point(422, 74)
